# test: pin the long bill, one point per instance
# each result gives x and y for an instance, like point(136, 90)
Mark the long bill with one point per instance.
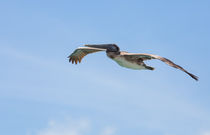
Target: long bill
point(102, 46)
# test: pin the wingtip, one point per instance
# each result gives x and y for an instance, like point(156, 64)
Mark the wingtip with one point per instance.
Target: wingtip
point(69, 59)
point(73, 61)
point(194, 76)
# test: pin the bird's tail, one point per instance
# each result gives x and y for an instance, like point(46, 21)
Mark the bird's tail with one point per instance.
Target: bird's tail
point(150, 68)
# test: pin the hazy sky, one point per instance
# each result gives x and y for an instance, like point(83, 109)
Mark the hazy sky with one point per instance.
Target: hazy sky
point(42, 94)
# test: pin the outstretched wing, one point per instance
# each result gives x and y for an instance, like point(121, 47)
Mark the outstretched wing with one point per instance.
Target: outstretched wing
point(145, 56)
point(81, 52)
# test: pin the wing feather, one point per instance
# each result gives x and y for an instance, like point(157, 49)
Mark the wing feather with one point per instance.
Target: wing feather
point(81, 52)
point(145, 56)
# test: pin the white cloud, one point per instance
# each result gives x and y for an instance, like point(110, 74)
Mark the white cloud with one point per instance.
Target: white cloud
point(206, 133)
point(68, 127)
point(73, 127)
point(108, 131)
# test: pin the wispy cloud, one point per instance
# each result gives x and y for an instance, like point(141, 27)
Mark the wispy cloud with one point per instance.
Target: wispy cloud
point(39, 61)
point(108, 131)
point(205, 133)
point(73, 127)
point(68, 127)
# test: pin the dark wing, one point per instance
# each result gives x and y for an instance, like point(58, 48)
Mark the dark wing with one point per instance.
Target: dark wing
point(145, 56)
point(81, 52)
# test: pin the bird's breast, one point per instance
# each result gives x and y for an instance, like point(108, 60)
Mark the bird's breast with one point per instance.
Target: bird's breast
point(128, 63)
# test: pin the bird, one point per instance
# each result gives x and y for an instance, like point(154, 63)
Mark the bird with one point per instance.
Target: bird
point(128, 60)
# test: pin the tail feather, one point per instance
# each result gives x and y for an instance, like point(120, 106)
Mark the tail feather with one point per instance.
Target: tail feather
point(150, 68)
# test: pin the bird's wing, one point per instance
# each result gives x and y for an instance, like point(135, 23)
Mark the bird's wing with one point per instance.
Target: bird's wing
point(81, 52)
point(145, 56)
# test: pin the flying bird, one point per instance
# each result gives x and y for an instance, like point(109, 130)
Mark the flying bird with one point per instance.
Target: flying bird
point(124, 59)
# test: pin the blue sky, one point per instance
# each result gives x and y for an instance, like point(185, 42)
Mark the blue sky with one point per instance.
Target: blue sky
point(42, 94)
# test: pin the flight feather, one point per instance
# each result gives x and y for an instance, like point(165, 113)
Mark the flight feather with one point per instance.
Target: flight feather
point(145, 56)
point(81, 52)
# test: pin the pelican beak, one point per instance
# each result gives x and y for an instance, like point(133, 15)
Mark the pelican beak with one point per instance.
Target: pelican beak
point(101, 46)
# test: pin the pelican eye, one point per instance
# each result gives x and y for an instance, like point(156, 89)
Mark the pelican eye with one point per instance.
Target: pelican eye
point(113, 48)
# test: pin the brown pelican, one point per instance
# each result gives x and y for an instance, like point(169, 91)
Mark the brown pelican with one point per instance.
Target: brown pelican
point(124, 59)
